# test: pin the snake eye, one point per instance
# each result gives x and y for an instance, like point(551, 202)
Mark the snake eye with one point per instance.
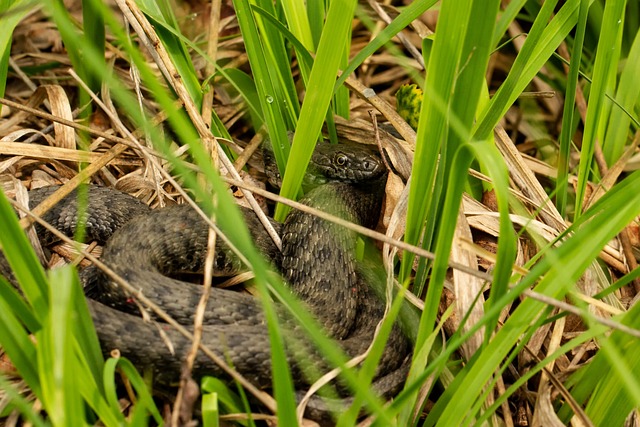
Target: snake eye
point(341, 159)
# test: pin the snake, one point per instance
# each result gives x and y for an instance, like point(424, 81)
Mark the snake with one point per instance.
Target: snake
point(150, 247)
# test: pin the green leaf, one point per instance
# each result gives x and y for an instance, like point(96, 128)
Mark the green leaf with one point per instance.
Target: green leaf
point(609, 383)
point(605, 68)
point(19, 347)
point(165, 23)
point(542, 40)
point(144, 401)
point(317, 98)
point(20, 403)
point(216, 393)
point(555, 275)
point(93, 26)
point(245, 86)
point(22, 260)
point(617, 135)
point(19, 307)
point(56, 366)
point(297, 21)
point(567, 116)
point(11, 13)
point(408, 14)
point(271, 99)
point(210, 411)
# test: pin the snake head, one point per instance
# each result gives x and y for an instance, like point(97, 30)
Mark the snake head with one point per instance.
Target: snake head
point(346, 162)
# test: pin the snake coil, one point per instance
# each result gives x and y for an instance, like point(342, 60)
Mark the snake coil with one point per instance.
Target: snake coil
point(318, 262)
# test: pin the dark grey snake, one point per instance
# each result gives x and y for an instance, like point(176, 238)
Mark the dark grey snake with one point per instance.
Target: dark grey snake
point(317, 261)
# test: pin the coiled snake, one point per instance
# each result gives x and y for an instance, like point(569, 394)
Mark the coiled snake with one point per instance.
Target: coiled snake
point(317, 261)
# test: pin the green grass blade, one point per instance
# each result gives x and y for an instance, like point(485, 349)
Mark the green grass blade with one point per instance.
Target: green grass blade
point(518, 77)
point(109, 379)
point(610, 382)
point(19, 347)
point(604, 70)
point(87, 344)
point(560, 268)
point(165, 24)
point(408, 14)
point(92, 391)
point(506, 18)
point(617, 135)
point(18, 305)
point(489, 158)
point(177, 47)
point(619, 392)
point(304, 57)
point(406, 402)
point(210, 411)
point(456, 67)
point(5, 52)
point(269, 101)
point(93, 27)
point(246, 87)
point(295, 12)
point(569, 105)
point(466, 99)
point(223, 396)
point(443, 64)
point(20, 403)
point(369, 366)
point(535, 370)
point(317, 99)
point(89, 363)
point(11, 13)
point(316, 11)
point(22, 259)
point(279, 60)
point(60, 396)
point(144, 399)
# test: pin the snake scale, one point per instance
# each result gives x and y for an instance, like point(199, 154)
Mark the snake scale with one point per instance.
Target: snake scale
point(318, 262)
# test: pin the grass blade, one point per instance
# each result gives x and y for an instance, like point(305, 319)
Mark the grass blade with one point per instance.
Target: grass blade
point(60, 395)
point(609, 384)
point(408, 14)
point(317, 99)
point(617, 135)
point(604, 70)
point(23, 261)
point(19, 347)
point(144, 400)
point(294, 11)
point(524, 68)
point(11, 13)
point(561, 267)
point(20, 403)
point(93, 27)
point(221, 395)
point(270, 98)
point(568, 119)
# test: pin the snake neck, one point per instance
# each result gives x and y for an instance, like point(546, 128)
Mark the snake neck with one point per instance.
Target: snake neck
point(357, 203)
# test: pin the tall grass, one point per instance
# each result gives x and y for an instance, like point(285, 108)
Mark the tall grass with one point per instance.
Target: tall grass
point(525, 346)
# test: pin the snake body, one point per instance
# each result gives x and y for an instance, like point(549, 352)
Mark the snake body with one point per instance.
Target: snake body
point(317, 261)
